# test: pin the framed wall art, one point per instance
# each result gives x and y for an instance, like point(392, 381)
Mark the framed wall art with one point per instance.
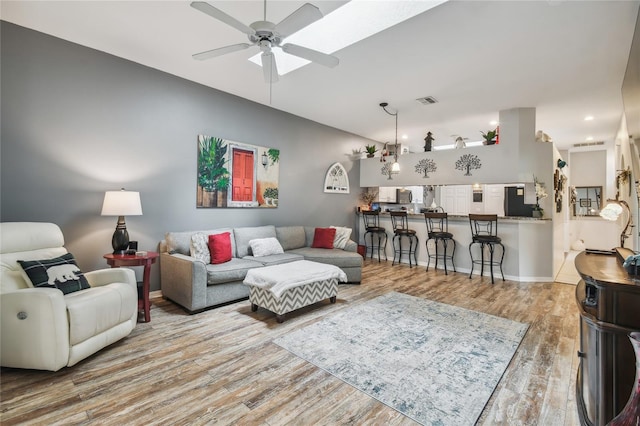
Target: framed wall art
point(236, 174)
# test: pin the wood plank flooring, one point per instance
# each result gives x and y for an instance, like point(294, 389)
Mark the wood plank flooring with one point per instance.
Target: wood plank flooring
point(221, 367)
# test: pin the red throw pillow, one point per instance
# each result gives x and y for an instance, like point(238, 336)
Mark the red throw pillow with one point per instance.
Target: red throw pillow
point(323, 238)
point(220, 247)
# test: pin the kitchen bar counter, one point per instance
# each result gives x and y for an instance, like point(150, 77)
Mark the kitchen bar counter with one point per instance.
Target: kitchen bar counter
point(451, 217)
point(527, 240)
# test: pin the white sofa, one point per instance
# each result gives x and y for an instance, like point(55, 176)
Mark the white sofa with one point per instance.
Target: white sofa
point(40, 328)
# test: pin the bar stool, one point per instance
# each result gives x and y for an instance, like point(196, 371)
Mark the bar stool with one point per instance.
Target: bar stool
point(438, 230)
point(372, 227)
point(400, 223)
point(484, 231)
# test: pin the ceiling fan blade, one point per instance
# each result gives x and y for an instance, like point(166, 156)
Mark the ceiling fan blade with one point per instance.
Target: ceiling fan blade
point(310, 55)
point(269, 67)
point(300, 18)
point(214, 12)
point(221, 51)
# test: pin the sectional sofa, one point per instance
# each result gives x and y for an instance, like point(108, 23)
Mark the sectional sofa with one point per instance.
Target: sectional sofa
point(197, 285)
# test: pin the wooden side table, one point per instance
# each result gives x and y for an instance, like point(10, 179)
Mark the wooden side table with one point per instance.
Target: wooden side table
point(118, 260)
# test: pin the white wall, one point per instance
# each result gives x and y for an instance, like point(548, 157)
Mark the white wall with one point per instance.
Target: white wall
point(591, 168)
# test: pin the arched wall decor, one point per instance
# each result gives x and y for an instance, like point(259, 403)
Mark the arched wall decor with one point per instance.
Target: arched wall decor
point(336, 181)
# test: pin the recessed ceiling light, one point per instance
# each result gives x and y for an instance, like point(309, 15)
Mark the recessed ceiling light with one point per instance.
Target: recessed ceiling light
point(589, 138)
point(588, 118)
point(337, 30)
point(493, 123)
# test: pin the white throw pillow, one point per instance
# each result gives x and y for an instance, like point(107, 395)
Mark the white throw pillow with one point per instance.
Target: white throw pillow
point(199, 247)
point(265, 246)
point(342, 237)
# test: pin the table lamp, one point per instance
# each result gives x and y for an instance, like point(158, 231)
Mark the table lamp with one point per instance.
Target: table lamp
point(121, 203)
point(612, 211)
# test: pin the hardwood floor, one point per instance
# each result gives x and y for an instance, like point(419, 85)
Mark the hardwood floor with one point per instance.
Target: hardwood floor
point(220, 366)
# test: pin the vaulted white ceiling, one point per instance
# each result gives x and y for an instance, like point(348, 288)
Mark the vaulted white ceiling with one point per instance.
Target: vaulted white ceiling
point(565, 58)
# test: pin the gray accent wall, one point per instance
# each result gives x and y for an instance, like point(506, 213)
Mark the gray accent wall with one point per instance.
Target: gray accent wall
point(76, 122)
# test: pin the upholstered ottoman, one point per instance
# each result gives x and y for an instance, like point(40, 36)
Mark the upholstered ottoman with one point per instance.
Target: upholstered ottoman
point(286, 287)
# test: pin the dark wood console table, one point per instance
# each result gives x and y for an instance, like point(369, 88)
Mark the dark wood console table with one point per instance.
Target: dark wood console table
point(609, 303)
point(118, 260)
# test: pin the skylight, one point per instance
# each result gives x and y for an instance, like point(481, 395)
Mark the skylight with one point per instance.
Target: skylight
point(348, 24)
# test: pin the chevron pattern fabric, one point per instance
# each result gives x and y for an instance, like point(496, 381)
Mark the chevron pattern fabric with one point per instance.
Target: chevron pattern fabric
point(294, 298)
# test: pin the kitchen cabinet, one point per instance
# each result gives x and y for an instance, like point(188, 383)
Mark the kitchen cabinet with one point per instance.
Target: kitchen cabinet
point(456, 199)
point(417, 194)
point(387, 194)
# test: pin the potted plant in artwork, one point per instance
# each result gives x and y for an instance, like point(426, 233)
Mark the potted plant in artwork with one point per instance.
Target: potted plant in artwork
point(541, 192)
point(213, 176)
point(489, 137)
point(371, 150)
point(271, 196)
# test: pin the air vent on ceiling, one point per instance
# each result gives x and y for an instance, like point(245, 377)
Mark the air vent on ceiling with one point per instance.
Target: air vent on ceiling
point(576, 145)
point(427, 100)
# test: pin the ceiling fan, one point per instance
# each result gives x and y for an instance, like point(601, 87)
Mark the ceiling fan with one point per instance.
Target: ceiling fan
point(267, 35)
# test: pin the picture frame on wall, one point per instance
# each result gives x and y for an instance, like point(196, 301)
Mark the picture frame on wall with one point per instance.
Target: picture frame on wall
point(236, 174)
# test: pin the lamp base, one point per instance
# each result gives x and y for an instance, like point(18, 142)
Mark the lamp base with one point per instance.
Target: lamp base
point(120, 239)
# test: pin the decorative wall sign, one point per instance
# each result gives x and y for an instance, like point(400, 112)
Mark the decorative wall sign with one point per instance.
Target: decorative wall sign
point(425, 166)
point(468, 162)
point(336, 179)
point(234, 174)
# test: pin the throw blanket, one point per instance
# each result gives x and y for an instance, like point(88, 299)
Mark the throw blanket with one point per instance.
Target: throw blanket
point(279, 278)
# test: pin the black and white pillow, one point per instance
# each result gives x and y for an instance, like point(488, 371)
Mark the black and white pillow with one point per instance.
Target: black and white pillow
point(60, 272)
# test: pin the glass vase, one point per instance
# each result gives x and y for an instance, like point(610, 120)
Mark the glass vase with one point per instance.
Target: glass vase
point(630, 414)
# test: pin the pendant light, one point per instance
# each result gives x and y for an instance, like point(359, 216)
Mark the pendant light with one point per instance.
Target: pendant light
point(395, 167)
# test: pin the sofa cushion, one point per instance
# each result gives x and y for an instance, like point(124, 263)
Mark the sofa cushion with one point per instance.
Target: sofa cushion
point(200, 247)
point(323, 238)
point(265, 246)
point(233, 270)
point(342, 237)
point(220, 247)
point(61, 272)
point(98, 309)
point(179, 242)
point(291, 237)
point(244, 235)
point(276, 259)
point(337, 257)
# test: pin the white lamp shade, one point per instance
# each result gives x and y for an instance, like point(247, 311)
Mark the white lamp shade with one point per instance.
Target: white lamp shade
point(395, 167)
point(121, 203)
point(611, 212)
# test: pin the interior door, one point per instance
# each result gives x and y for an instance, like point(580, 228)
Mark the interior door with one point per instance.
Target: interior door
point(242, 175)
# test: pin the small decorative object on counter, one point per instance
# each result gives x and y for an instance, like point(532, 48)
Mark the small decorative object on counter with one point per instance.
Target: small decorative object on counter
point(632, 264)
point(368, 196)
point(489, 137)
point(541, 192)
point(428, 142)
point(371, 150)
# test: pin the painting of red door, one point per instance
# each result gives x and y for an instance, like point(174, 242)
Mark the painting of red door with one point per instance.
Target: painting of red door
point(242, 175)
point(236, 174)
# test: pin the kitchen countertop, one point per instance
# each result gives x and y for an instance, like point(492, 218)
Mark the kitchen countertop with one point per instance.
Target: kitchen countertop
point(466, 217)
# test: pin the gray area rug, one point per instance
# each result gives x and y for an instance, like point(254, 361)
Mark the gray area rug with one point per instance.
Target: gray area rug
point(435, 363)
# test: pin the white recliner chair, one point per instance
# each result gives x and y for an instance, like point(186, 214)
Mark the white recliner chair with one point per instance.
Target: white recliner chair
point(44, 329)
